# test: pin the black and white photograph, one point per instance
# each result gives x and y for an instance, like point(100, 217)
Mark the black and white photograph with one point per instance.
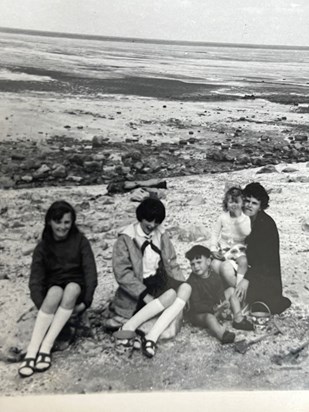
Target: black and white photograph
point(154, 192)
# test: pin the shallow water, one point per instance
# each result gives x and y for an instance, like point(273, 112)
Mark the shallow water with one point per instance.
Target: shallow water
point(229, 70)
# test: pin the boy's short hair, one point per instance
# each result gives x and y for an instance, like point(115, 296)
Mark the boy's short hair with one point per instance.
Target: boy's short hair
point(198, 251)
point(151, 209)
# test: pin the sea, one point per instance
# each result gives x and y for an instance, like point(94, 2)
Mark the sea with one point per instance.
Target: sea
point(29, 58)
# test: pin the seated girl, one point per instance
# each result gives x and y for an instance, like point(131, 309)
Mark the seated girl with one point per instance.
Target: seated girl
point(63, 279)
point(228, 239)
point(150, 282)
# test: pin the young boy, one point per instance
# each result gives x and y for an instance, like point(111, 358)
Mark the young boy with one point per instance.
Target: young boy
point(208, 293)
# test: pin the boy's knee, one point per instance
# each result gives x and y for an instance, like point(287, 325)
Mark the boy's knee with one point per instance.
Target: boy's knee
point(184, 291)
point(167, 298)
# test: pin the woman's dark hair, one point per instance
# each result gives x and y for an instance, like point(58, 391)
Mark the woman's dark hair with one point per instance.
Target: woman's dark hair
point(257, 191)
point(56, 212)
point(197, 251)
point(151, 209)
point(233, 192)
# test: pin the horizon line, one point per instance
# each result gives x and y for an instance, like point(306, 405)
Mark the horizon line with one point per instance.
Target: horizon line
point(98, 37)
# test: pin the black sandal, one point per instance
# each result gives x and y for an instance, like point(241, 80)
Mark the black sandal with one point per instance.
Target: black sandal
point(139, 339)
point(43, 358)
point(27, 363)
point(149, 344)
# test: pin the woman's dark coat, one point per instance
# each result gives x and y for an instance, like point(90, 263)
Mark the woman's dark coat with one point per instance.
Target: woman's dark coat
point(264, 273)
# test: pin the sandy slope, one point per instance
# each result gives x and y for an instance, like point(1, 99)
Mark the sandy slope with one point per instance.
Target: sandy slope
point(194, 360)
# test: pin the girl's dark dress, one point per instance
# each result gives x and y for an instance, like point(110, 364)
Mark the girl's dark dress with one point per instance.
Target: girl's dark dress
point(264, 273)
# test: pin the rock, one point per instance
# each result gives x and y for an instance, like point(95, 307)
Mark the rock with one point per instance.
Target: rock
point(101, 227)
point(193, 233)
point(18, 156)
point(98, 141)
point(91, 166)
point(98, 157)
point(243, 159)
point(138, 166)
point(289, 169)
point(301, 138)
point(218, 156)
point(27, 178)
point(298, 146)
point(268, 169)
point(78, 159)
point(59, 171)
point(115, 158)
point(6, 182)
point(41, 172)
point(76, 179)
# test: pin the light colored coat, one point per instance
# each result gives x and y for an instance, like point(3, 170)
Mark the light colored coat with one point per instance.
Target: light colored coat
point(128, 268)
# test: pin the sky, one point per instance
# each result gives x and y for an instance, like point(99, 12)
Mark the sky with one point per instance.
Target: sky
point(272, 22)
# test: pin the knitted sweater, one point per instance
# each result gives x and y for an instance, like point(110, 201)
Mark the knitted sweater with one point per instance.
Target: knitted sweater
point(71, 258)
point(229, 231)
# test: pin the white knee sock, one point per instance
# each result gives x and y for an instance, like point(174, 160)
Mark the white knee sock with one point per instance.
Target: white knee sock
point(147, 312)
point(165, 319)
point(61, 317)
point(42, 323)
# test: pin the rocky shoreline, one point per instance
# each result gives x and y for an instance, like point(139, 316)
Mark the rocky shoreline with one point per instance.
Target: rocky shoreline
point(53, 160)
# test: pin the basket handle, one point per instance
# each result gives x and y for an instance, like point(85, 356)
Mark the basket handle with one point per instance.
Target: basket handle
point(260, 303)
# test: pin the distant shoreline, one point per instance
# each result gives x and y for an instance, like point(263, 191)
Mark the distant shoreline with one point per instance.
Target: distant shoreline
point(140, 40)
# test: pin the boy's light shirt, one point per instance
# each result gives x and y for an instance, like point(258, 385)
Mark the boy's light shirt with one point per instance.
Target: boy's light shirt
point(151, 258)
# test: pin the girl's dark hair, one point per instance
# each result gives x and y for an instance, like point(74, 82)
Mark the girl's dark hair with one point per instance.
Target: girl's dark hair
point(257, 191)
point(233, 192)
point(197, 251)
point(151, 209)
point(56, 212)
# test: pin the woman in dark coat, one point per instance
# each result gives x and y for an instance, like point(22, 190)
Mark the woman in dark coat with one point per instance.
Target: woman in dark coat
point(262, 281)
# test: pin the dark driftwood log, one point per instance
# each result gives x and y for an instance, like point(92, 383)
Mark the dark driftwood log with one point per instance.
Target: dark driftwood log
point(127, 186)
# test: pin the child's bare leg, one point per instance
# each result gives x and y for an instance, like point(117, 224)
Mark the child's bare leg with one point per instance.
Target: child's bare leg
point(240, 321)
point(227, 273)
point(183, 295)
point(242, 264)
point(209, 321)
point(43, 321)
point(62, 315)
point(229, 294)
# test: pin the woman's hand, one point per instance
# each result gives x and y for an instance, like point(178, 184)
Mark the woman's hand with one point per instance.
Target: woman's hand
point(79, 308)
point(241, 289)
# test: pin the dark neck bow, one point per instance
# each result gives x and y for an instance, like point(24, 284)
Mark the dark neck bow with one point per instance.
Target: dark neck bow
point(153, 247)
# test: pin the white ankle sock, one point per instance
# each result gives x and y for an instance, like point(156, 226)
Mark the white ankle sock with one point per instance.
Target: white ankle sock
point(61, 317)
point(42, 323)
point(165, 319)
point(147, 312)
